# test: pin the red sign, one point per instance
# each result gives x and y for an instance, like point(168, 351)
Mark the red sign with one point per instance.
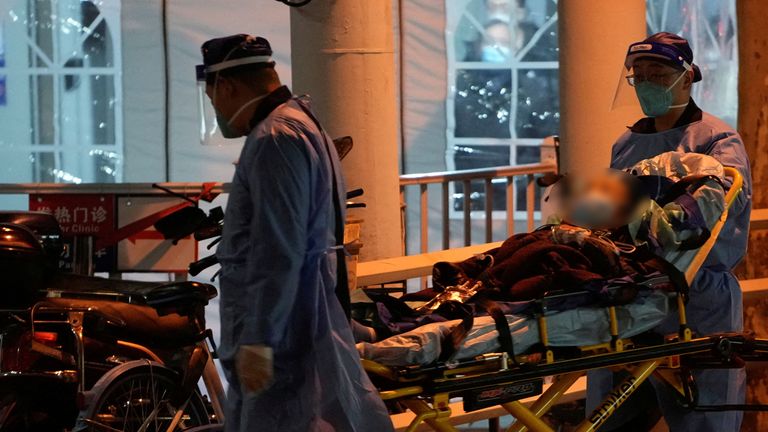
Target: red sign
point(81, 215)
point(78, 214)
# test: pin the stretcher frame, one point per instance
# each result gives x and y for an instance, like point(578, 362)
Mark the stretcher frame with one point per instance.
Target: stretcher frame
point(427, 391)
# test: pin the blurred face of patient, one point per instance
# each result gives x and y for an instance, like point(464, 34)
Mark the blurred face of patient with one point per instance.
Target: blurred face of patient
point(599, 201)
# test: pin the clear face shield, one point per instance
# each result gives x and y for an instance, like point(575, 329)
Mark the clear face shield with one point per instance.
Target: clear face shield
point(624, 95)
point(649, 87)
point(652, 93)
point(215, 129)
point(209, 131)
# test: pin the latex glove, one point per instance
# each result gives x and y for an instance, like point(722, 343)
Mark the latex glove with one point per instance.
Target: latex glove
point(254, 368)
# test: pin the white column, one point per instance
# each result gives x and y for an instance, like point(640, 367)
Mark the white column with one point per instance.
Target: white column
point(342, 55)
point(594, 37)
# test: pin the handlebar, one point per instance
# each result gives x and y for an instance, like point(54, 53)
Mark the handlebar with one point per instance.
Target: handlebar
point(354, 193)
point(192, 220)
point(206, 233)
point(198, 266)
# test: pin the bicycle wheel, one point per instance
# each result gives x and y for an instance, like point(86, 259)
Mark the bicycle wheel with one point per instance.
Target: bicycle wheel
point(141, 399)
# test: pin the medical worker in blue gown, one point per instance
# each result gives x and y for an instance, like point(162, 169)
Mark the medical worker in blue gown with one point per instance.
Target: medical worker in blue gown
point(662, 72)
point(286, 344)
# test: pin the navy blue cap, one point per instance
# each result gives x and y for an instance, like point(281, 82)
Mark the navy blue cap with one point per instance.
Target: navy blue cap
point(667, 48)
point(232, 51)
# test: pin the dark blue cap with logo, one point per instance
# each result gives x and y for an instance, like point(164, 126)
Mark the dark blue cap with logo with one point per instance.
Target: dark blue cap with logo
point(233, 51)
point(667, 48)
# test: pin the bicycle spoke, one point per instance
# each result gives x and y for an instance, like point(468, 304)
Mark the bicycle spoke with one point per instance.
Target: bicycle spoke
point(155, 412)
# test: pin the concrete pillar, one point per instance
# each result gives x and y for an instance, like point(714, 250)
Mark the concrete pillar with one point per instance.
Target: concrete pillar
point(594, 36)
point(342, 55)
point(753, 121)
point(753, 127)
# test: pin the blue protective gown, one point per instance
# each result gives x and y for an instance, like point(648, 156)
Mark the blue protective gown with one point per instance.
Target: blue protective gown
point(715, 303)
point(277, 286)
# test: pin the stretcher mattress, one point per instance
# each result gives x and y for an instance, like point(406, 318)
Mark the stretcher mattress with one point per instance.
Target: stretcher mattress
point(571, 328)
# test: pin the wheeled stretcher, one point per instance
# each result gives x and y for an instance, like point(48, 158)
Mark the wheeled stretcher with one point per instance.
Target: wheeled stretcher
point(501, 378)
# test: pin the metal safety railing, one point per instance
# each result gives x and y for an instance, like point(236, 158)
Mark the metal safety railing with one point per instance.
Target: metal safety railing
point(467, 178)
point(422, 181)
point(142, 189)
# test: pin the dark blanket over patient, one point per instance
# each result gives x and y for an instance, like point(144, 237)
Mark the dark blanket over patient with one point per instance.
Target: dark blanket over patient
point(525, 268)
point(528, 266)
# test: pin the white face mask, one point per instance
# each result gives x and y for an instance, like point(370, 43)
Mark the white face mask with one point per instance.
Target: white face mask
point(225, 124)
point(594, 210)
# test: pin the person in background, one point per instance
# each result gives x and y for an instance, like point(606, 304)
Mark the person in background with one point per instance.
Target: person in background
point(286, 344)
point(662, 73)
point(500, 41)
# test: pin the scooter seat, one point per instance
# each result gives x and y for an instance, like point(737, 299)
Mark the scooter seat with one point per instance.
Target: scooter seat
point(110, 320)
point(164, 296)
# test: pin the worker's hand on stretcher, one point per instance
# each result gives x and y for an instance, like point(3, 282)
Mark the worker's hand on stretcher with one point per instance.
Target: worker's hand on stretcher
point(254, 365)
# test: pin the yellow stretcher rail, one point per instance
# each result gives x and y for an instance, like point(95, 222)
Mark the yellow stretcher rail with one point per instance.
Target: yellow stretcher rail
point(737, 183)
point(427, 392)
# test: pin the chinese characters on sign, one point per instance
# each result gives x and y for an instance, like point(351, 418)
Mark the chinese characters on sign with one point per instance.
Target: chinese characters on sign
point(100, 215)
point(81, 215)
point(78, 220)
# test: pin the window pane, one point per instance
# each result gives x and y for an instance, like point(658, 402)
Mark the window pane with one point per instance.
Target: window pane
point(44, 167)
point(40, 28)
point(68, 102)
point(482, 103)
point(527, 154)
point(492, 31)
point(3, 99)
point(42, 129)
point(103, 109)
point(545, 47)
point(27, 167)
point(710, 28)
point(2, 45)
point(467, 38)
point(105, 165)
point(480, 156)
point(538, 103)
point(97, 46)
point(88, 110)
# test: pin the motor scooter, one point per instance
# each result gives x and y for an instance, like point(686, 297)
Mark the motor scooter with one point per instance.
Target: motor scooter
point(92, 354)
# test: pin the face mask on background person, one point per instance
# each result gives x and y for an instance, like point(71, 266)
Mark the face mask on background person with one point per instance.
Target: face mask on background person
point(655, 99)
point(495, 54)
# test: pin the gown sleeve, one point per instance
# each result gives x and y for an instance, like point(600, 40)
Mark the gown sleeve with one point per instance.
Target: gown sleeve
point(278, 177)
point(730, 151)
point(672, 225)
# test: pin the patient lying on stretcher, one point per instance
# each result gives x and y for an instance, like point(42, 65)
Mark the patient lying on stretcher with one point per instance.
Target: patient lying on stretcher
point(634, 230)
point(612, 225)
